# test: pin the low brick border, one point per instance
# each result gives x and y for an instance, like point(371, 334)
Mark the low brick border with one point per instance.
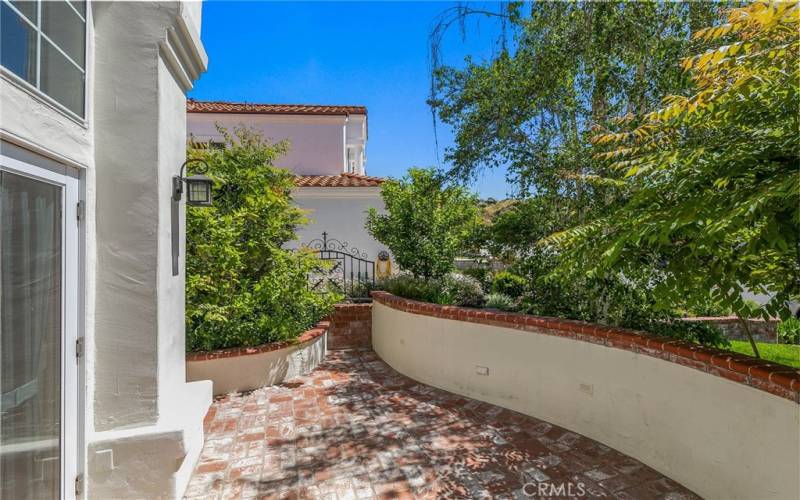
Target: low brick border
point(309, 335)
point(774, 378)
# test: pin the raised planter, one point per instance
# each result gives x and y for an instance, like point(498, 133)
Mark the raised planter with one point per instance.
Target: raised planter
point(247, 368)
point(722, 424)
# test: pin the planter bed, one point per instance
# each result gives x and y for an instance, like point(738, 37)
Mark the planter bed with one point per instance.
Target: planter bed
point(242, 369)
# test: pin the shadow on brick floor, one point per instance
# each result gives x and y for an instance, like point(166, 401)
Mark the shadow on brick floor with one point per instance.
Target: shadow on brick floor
point(355, 428)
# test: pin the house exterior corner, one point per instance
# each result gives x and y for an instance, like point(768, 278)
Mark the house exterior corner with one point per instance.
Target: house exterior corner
point(97, 155)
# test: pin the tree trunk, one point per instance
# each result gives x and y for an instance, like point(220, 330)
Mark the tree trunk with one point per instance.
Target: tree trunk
point(746, 326)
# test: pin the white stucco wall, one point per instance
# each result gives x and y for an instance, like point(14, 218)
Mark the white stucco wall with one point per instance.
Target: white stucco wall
point(145, 430)
point(28, 119)
point(341, 212)
point(182, 405)
point(246, 372)
point(722, 439)
point(127, 208)
point(142, 423)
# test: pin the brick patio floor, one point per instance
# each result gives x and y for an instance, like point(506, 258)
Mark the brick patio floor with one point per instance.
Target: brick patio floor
point(355, 428)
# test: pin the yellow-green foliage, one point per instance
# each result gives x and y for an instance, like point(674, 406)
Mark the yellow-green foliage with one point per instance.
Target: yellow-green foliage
point(711, 183)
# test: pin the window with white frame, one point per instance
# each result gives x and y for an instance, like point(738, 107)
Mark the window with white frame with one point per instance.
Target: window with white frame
point(44, 44)
point(351, 164)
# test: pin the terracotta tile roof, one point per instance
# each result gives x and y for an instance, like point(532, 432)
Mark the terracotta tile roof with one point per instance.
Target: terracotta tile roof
point(193, 106)
point(341, 180)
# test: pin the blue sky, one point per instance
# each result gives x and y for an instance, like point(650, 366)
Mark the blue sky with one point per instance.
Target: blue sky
point(368, 53)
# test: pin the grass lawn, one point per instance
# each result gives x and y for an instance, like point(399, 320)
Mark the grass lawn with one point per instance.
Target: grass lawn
point(786, 354)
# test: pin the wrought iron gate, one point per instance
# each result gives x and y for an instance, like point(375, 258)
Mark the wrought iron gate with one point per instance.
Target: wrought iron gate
point(350, 273)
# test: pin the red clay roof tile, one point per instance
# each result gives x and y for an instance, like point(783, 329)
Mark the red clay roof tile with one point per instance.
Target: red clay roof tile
point(193, 106)
point(341, 180)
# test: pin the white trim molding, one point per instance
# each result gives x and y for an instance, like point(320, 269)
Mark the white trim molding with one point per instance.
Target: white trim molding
point(36, 148)
point(184, 53)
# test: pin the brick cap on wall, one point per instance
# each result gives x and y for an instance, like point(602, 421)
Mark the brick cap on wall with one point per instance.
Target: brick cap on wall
point(307, 336)
point(774, 378)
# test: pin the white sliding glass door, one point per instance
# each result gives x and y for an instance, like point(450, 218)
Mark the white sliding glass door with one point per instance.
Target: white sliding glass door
point(38, 332)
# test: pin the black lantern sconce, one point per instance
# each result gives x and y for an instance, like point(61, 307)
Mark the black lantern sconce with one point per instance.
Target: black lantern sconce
point(198, 187)
point(198, 194)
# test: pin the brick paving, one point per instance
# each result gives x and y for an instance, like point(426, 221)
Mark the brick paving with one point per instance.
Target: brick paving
point(355, 428)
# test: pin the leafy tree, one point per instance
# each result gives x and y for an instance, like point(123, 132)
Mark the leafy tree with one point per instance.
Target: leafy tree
point(531, 107)
point(427, 223)
point(710, 180)
point(511, 231)
point(619, 299)
point(568, 65)
point(242, 287)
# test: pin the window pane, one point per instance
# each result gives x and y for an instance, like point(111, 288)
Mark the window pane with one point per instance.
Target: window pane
point(30, 338)
point(61, 80)
point(65, 28)
point(17, 45)
point(80, 6)
point(28, 8)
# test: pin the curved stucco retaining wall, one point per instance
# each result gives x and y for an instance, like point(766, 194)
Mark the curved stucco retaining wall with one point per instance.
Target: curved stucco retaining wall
point(716, 436)
point(248, 368)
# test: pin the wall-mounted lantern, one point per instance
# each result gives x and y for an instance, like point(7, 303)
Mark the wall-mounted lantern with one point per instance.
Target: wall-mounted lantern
point(198, 194)
point(198, 187)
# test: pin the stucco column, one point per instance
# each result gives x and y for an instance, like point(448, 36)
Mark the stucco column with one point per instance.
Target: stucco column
point(146, 423)
point(127, 133)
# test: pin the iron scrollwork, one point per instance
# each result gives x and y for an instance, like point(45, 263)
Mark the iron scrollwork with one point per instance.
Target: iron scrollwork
point(333, 244)
point(350, 272)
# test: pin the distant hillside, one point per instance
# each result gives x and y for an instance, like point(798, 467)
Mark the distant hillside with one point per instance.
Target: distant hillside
point(491, 207)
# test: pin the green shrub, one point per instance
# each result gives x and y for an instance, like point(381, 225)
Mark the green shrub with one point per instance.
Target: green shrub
point(360, 290)
point(789, 331)
point(508, 283)
point(500, 301)
point(707, 307)
point(410, 287)
point(612, 300)
point(453, 289)
point(690, 331)
point(480, 273)
point(462, 290)
point(426, 224)
point(242, 287)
